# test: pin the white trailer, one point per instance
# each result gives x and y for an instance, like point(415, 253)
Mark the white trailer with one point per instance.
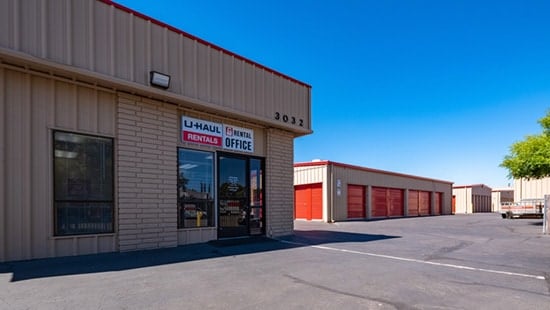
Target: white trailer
point(532, 208)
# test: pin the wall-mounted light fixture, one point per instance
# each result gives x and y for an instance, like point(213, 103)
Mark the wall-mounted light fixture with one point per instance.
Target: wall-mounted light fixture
point(158, 79)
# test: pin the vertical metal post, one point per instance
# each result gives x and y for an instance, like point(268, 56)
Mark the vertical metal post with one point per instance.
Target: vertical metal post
point(545, 218)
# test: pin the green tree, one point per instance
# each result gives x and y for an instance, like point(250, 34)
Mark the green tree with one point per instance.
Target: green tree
point(530, 158)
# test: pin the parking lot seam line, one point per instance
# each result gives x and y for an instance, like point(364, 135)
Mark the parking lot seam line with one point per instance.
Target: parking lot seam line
point(515, 274)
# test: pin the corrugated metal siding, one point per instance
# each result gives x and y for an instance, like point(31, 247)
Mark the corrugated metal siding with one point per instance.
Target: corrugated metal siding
point(531, 189)
point(31, 107)
point(309, 175)
point(98, 37)
point(463, 200)
point(481, 203)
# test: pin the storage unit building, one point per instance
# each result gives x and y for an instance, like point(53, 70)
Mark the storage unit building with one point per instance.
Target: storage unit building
point(331, 191)
point(474, 198)
point(120, 132)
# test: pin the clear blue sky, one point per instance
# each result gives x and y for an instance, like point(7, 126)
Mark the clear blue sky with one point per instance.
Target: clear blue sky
point(439, 89)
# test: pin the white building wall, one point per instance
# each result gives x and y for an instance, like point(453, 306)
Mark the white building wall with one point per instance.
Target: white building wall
point(531, 189)
point(463, 200)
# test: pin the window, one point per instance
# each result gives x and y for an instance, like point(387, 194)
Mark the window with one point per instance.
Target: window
point(195, 189)
point(83, 184)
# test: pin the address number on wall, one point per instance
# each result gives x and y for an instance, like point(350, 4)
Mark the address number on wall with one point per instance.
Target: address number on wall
point(289, 119)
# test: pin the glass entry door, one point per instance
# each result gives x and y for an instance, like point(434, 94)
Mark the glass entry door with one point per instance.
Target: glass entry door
point(240, 196)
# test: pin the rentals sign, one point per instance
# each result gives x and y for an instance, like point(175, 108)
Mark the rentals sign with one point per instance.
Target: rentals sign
point(228, 137)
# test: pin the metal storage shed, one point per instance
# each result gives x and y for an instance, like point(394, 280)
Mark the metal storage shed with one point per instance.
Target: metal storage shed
point(331, 191)
point(474, 198)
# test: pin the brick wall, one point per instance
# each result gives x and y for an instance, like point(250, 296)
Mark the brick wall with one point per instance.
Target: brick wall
point(279, 183)
point(146, 161)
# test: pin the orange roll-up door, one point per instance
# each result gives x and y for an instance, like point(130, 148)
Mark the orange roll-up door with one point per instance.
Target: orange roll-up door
point(308, 201)
point(317, 202)
point(396, 203)
point(379, 202)
point(356, 201)
point(424, 203)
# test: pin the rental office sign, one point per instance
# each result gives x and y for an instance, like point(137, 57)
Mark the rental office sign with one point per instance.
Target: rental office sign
point(228, 137)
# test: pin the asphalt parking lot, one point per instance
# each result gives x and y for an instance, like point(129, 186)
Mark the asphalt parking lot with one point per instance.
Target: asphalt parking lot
point(445, 262)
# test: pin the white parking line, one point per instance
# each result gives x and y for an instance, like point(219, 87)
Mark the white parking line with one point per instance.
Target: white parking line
point(412, 260)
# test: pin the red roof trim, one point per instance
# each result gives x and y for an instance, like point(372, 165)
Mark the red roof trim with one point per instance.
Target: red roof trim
point(328, 162)
point(192, 37)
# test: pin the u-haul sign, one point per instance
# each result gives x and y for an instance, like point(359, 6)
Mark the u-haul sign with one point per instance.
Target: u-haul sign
point(201, 132)
point(228, 137)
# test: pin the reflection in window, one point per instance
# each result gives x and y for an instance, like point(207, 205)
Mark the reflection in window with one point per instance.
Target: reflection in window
point(195, 189)
point(256, 197)
point(83, 184)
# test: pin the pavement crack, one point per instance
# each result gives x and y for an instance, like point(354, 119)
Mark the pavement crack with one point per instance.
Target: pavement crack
point(397, 305)
point(446, 250)
point(485, 285)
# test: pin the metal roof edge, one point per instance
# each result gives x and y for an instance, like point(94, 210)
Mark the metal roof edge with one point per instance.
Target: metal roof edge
point(202, 41)
point(47, 67)
point(337, 164)
point(472, 185)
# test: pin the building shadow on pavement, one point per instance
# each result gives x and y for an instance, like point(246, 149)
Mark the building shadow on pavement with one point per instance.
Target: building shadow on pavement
point(110, 262)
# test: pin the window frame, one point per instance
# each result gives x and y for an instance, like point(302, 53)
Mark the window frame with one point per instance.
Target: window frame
point(213, 216)
point(90, 201)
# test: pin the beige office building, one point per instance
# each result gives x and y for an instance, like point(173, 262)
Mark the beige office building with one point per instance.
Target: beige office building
point(331, 191)
point(119, 132)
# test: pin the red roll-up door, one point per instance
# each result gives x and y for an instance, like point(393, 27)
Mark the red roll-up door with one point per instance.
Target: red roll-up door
point(317, 202)
point(308, 201)
point(379, 202)
point(437, 203)
point(356, 201)
point(424, 203)
point(413, 203)
point(396, 203)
